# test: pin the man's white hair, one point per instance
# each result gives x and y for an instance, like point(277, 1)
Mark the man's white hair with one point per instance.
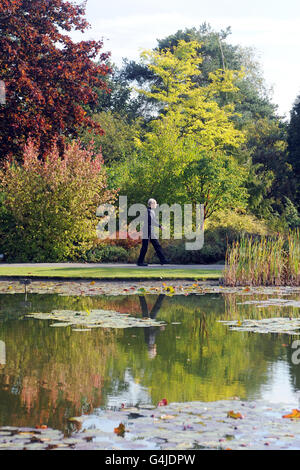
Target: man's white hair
point(151, 201)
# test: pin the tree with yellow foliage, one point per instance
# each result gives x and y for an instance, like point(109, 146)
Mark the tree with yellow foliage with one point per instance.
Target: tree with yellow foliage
point(191, 127)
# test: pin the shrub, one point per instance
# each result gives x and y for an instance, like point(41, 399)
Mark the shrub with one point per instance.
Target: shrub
point(236, 221)
point(127, 241)
point(223, 228)
point(106, 254)
point(49, 207)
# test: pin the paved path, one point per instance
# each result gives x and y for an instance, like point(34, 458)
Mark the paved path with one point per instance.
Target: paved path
point(112, 265)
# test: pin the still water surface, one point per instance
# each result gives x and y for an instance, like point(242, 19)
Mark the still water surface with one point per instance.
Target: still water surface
point(48, 375)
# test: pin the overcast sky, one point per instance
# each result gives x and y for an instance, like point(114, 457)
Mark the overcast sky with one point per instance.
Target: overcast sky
point(272, 27)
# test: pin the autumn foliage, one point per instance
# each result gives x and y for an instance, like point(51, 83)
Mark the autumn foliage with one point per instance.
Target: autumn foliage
point(50, 81)
point(295, 414)
point(50, 204)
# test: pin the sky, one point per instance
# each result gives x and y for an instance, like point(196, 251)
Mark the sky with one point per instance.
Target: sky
point(271, 27)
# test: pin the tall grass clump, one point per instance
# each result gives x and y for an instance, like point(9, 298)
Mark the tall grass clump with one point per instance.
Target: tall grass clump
point(265, 261)
point(293, 260)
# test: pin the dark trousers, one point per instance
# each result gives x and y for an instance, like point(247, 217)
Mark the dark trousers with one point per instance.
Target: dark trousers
point(156, 246)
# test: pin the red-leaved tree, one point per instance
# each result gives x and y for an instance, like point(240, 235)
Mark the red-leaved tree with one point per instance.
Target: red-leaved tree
point(49, 79)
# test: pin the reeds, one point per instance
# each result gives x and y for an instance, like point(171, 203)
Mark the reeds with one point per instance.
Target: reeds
point(293, 259)
point(264, 261)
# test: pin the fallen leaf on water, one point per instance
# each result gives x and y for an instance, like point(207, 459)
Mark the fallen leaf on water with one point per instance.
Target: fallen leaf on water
point(120, 430)
point(232, 414)
point(92, 283)
point(295, 414)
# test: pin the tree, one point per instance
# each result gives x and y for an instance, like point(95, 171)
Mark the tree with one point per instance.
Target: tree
point(190, 142)
point(120, 100)
point(216, 181)
point(49, 79)
point(195, 109)
point(264, 150)
point(118, 140)
point(270, 173)
point(251, 98)
point(294, 149)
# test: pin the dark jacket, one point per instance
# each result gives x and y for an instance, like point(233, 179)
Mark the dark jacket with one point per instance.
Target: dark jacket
point(150, 222)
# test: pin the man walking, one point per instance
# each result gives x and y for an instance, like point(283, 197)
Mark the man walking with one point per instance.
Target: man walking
point(148, 234)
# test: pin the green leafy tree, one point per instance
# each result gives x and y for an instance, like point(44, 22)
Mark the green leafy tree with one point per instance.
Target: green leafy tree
point(252, 97)
point(120, 100)
point(270, 173)
point(294, 149)
point(190, 141)
point(194, 109)
point(264, 150)
point(216, 181)
point(118, 140)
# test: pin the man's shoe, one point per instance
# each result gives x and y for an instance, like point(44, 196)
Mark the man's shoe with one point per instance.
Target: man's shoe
point(142, 264)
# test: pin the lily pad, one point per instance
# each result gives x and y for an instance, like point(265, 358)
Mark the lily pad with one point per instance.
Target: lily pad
point(281, 325)
point(97, 318)
point(176, 287)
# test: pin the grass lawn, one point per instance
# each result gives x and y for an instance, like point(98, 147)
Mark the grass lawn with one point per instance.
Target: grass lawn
point(111, 273)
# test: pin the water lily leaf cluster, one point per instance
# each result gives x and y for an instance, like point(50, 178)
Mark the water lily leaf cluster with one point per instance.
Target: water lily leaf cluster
point(256, 425)
point(176, 287)
point(98, 318)
point(284, 325)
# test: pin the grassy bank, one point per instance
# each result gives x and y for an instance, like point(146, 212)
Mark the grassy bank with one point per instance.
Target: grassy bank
point(113, 273)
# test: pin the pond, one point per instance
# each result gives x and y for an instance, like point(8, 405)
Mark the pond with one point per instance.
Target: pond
point(48, 375)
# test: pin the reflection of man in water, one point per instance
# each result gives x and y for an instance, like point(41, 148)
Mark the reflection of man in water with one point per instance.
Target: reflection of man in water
point(2, 92)
point(2, 354)
point(151, 332)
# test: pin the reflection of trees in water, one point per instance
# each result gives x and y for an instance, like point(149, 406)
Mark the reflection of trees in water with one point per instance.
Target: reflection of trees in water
point(294, 367)
point(2, 353)
point(15, 306)
point(53, 373)
point(277, 347)
point(236, 309)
